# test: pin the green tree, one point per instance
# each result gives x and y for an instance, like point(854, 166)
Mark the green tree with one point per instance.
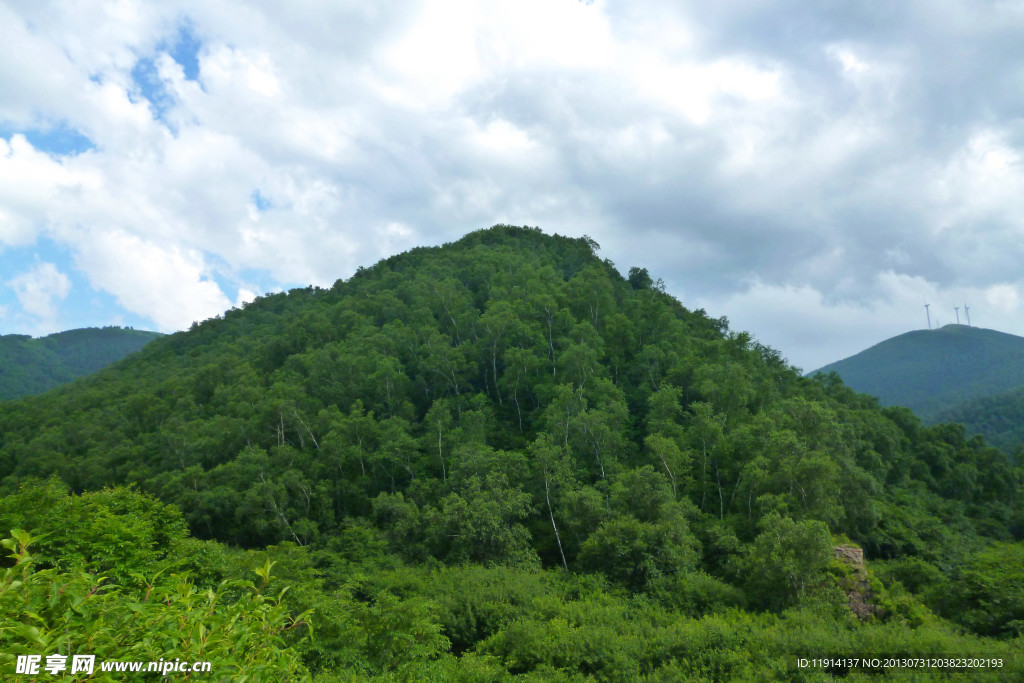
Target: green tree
point(786, 559)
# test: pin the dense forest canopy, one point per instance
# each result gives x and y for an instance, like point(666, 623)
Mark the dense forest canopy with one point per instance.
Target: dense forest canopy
point(31, 366)
point(503, 457)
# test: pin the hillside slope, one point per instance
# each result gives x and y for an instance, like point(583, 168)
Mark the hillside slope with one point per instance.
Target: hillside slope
point(31, 366)
point(932, 370)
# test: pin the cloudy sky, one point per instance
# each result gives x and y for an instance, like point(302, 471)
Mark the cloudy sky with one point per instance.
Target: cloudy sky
point(814, 171)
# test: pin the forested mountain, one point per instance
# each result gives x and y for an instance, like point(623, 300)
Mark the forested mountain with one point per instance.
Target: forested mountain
point(500, 458)
point(32, 366)
point(930, 371)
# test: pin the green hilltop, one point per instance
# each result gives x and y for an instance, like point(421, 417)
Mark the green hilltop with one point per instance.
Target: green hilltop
point(930, 371)
point(31, 366)
point(498, 459)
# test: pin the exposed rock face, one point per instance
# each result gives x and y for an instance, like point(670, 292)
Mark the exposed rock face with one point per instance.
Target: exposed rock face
point(852, 556)
point(858, 589)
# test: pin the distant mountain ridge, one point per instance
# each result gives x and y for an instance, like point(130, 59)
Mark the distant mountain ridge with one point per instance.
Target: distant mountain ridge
point(933, 371)
point(31, 366)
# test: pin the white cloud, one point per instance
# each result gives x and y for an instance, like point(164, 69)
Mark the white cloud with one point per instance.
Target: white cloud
point(244, 296)
point(30, 183)
point(1004, 299)
point(37, 289)
point(226, 68)
point(171, 286)
point(984, 177)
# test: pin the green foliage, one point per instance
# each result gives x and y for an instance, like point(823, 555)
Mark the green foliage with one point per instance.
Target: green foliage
point(786, 559)
point(634, 553)
point(113, 532)
point(235, 627)
point(986, 593)
point(479, 524)
point(394, 632)
point(695, 593)
point(639, 278)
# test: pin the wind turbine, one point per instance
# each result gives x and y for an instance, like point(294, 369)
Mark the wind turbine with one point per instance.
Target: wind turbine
point(968, 312)
point(957, 309)
point(929, 314)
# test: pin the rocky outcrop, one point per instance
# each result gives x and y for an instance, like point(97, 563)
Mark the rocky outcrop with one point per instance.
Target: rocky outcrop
point(856, 584)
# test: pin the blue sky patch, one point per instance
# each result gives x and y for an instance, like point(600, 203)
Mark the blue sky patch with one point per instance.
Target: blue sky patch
point(185, 50)
point(151, 86)
point(261, 202)
point(59, 139)
point(261, 282)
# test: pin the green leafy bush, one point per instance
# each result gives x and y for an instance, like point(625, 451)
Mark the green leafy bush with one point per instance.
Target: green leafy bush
point(235, 627)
